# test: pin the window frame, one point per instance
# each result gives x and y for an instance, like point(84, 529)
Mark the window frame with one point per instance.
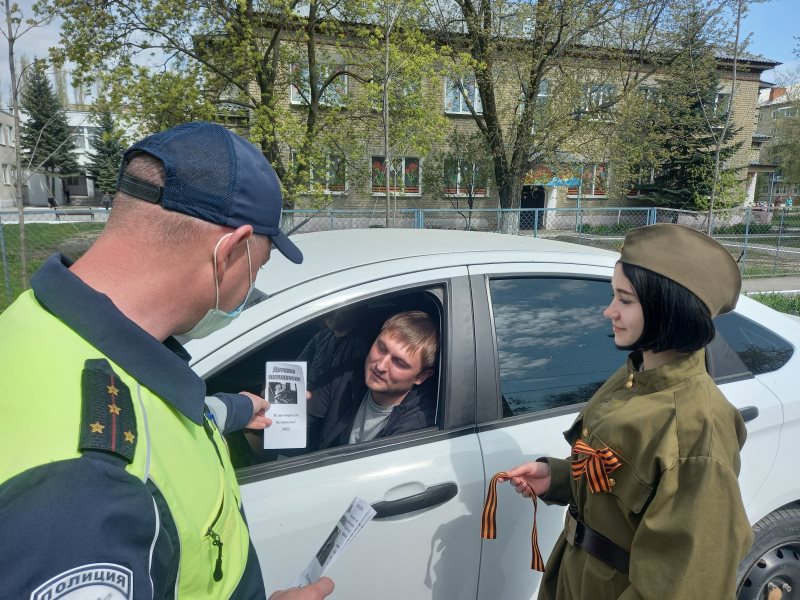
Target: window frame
point(456, 398)
point(596, 191)
point(404, 189)
point(470, 84)
point(326, 184)
point(594, 96)
point(332, 96)
point(460, 190)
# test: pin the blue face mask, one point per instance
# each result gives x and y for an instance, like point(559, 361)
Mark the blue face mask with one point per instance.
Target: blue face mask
point(215, 319)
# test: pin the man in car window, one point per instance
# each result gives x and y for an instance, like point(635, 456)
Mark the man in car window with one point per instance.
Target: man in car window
point(388, 396)
point(115, 481)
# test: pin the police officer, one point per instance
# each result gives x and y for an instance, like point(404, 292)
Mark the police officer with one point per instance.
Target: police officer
point(115, 481)
point(655, 509)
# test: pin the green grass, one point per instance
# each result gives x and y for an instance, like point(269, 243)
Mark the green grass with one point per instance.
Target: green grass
point(41, 240)
point(607, 229)
point(781, 302)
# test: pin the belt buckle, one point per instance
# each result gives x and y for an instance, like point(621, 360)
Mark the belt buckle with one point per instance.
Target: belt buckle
point(569, 531)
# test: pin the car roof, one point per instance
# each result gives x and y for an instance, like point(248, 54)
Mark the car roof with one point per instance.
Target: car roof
point(327, 252)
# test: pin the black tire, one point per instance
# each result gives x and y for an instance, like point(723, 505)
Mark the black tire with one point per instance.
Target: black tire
point(773, 559)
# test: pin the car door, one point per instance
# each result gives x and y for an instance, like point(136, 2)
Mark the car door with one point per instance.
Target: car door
point(546, 350)
point(551, 350)
point(428, 485)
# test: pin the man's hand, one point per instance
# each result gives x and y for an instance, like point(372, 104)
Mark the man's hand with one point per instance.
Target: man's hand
point(316, 591)
point(260, 406)
point(531, 475)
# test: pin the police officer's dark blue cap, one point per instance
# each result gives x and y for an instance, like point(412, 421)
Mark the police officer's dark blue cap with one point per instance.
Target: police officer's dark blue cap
point(214, 175)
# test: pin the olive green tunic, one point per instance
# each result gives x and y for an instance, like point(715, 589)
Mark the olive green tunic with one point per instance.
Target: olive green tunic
point(674, 503)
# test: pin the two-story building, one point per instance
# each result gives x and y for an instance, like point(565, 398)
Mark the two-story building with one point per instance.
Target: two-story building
point(586, 183)
point(780, 103)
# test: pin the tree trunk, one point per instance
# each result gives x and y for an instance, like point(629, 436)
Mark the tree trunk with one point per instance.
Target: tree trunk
point(23, 254)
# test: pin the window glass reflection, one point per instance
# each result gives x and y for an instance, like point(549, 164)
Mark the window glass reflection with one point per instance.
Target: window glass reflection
point(554, 346)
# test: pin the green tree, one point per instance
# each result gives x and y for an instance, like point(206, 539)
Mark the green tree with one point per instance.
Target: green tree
point(571, 60)
point(109, 146)
point(688, 115)
point(784, 148)
point(396, 111)
point(461, 173)
point(45, 136)
point(215, 56)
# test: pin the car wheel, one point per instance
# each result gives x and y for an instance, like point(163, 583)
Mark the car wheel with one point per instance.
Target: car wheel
point(771, 570)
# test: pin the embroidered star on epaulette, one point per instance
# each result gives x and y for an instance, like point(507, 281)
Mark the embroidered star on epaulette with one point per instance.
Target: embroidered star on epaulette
point(112, 390)
point(129, 437)
point(97, 427)
point(113, 408)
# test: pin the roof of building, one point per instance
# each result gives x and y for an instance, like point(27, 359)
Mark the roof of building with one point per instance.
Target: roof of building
point(748, 57)
point(791, 94)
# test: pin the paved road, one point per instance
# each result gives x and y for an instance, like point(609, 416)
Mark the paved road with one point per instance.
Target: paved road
point(788, 283)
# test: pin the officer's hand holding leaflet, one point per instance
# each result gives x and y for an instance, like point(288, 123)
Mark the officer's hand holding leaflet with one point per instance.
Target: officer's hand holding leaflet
point(260, 406)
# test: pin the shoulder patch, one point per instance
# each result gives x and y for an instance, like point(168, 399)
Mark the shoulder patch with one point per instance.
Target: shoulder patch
point(108, 421)
point(98, 580)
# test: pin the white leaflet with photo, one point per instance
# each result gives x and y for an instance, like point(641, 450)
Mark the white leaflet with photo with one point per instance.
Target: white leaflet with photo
point(286, 394)
point(357, 515)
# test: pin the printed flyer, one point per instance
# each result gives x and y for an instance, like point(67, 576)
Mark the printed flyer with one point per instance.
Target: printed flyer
point(286, 394)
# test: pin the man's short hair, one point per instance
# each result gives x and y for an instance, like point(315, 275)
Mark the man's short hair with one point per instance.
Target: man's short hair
point(674, 317)
point(414, 329)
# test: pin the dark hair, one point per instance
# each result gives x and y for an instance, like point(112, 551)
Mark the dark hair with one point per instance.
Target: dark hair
point(674, 318)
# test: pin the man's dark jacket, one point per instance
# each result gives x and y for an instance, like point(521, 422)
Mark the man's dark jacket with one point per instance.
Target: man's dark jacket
point(333, 407)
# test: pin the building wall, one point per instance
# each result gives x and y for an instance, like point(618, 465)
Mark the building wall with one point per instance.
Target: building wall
point(8, 161)
point(359, 193)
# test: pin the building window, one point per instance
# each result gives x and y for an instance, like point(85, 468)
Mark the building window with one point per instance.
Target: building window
point(595, 97)
point(82, 137)
point(594, 180)
point(3, 139)
point(454, 96)
point(6, 175)
point(651, 94)
point(328, 174)
point(300, 90)
point(721, 102)
point(403, 176)
point(10, 135)
point(786, 111)
point(464, 178)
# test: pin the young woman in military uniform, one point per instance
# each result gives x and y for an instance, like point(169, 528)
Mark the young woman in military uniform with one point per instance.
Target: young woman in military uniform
point(655, 509)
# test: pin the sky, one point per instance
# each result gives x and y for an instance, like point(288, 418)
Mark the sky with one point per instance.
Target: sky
point(772, 26)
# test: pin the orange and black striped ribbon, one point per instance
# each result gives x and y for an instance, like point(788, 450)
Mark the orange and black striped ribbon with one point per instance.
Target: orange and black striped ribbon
point(597, 464)
point(489, 521)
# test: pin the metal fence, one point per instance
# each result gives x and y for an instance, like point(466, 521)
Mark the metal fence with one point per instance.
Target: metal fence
point(764, 242)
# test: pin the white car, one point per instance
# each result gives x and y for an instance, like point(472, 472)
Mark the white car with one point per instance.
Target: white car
point(523, 346)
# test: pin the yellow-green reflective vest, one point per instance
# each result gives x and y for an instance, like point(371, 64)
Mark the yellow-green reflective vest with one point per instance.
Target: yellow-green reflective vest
point(194, 476)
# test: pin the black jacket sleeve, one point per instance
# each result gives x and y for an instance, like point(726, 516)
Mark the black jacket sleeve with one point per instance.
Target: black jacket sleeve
point(85, 522)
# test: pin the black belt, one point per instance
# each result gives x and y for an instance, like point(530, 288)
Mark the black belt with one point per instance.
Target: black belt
point(578, 533)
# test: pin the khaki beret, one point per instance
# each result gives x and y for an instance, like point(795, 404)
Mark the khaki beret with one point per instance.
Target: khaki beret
point(688, 257)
